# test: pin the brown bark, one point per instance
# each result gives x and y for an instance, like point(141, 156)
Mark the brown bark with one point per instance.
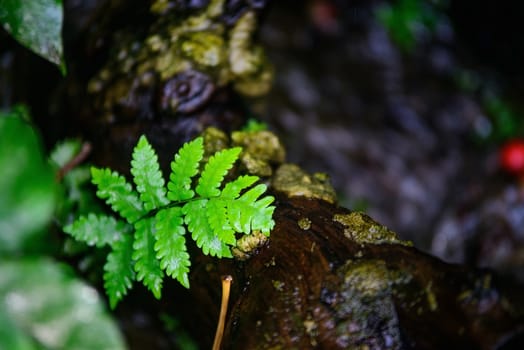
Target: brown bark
point(317, 288)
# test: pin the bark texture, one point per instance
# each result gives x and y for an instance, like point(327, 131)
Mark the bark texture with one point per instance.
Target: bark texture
point(314, 286)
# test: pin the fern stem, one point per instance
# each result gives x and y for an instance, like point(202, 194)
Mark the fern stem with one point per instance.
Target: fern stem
point(77, 159)
point(153, 212)
point(226, 287)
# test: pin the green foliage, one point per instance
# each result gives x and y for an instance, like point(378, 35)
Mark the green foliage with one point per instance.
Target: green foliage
point(183, 168)
point(36, 24)
point(506, 123)
point(76, 196)
point(408, 20)
point(147, 176)
point(118, 194)
point(118, 270)
point(147, 266)
point(254, 125)
point(215, 170)
point(27, 186)
point(503, 119)
point(158, 218)
point(63, 152)
point(42, 306)
point(171, 244)
point(99, 230)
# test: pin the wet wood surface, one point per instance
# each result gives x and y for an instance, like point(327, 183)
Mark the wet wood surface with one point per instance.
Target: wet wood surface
point(316, 288)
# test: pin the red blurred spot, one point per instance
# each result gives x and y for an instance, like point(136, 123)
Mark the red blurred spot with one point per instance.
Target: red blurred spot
point(512, 157)
point(324, 16)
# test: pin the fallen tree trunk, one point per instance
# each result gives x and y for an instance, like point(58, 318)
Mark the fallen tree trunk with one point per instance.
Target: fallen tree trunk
point(326, 278)
point(315, 285)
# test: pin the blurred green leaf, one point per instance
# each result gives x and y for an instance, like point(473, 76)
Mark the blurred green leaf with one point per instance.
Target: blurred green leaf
point(36, 24)
point(506, 122)
point(27, 186)
point(407, 20)
point(254, 125)
point(64, 151)
point(42, 306)
point(76, 195)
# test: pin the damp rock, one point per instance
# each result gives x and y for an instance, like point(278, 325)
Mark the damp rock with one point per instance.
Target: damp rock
point(295, 182)
point(248, 244)
point(261, 151)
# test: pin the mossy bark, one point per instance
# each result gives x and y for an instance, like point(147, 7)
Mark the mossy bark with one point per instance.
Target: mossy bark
point(326, 278)
point(316, 288)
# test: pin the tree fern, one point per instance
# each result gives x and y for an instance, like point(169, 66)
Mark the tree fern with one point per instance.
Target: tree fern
point(151, 242)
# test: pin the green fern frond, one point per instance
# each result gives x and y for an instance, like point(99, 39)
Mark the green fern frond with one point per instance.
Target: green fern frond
point(183, 168)
point(117, 193)
point(215, 247)
point(232, 189)
point(218, 220)
point(215, 170)
point(253, 194)
point(197, 223)
point(170, 244)
point(196, 220)
point(239, 215)
point(147, 176)
point(247, 214)
point(97, 230)
point(262, 219)
point(147, 266)
point(118, 270)
point(159, 217)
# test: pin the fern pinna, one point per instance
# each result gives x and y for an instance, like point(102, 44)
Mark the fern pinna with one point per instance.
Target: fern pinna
point(147, 239)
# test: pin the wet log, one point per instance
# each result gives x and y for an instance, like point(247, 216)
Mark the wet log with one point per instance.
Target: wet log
point(320, 283)
point(327, 278)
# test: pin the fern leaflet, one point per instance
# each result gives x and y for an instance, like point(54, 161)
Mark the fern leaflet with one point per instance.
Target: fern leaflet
point(232, 189)
point(262, 219)
point(218, 220)
point(170, 244)
point(247, 213)
point(215, 170)
point(118, 193)
point(98, 230)
point(202, 233)
point(239, 214)
point(147, 176)
point(147, 266)
point(118, 270)
point(252, 195)
point(183, 168)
